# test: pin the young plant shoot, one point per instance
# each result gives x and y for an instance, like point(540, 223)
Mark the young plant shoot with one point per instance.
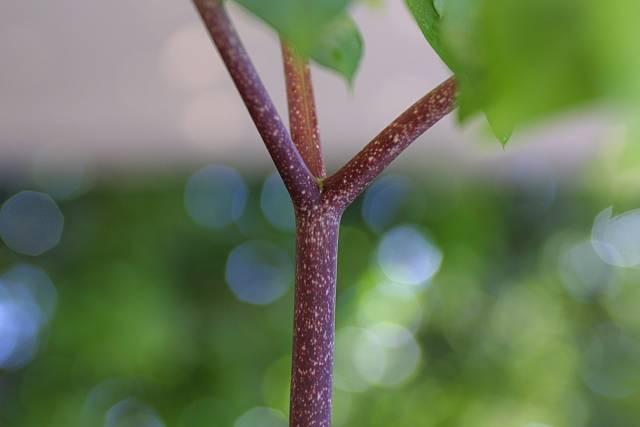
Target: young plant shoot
point(480, 41)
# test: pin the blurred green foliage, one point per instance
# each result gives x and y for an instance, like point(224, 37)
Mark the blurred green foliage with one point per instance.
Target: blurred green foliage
point(516, 61)
point(319, 29)
point(522, 61)
point(504, 338)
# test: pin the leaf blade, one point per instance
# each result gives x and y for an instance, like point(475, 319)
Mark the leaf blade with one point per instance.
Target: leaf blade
point(317, 29)
point(341, 48)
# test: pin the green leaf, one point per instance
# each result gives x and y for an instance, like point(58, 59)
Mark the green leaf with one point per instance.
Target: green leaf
point(501, 128)
point(301, 22)
point(374, 4)
point(429, 15)
point(439, 6)
point(340, 48)
point(318, 29)
point(524, 61)
point(429, 21)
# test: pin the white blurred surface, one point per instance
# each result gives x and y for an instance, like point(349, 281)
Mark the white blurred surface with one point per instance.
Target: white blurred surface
point(137, 84)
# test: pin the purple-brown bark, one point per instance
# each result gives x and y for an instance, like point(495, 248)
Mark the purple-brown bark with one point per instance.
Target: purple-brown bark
point(296, 176)
point(344, 186)
point(318, 202)
point(303, 121)
point(314, 314)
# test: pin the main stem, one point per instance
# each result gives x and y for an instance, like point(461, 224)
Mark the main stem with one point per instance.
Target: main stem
point(314, 314)
point(319, 208)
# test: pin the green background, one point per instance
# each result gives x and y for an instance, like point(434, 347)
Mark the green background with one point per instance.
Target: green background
point(509, 333)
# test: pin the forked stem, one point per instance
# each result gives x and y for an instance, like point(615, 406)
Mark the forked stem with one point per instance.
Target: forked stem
point(299, 181)
point(298, 159)
point(342, 188)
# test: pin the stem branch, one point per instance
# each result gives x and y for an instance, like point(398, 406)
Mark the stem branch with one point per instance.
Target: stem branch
point(298, 159)
point(344, 186)
point(296, 176)
point(303, 120)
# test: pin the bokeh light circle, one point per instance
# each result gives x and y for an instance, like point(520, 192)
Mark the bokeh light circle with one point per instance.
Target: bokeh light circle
point(383, 201)
point(383, 304)
point(27, 302)
point(276, 204)
point(369, 358)
point(215, 196)
point(617, 239)
point(612, 367)
point(31, 223)
point(584, 274)
point(261, 417)
point(132, 413)
point(34, 283)
point(402, 353)
point(346, 376)
point(19, 328)
point(385, 354)
point(259, 272)
point(406, 256)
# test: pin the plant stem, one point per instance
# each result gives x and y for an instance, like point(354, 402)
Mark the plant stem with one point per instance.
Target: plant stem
point(317, 250)
point(296, 176)
point(303, 120)
point(298, 159)
point(342, 188)
point(314, 316)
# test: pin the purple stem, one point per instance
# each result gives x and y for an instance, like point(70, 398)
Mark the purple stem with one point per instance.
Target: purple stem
point(318, 211)
point(299, 181)
point(344, 186)
point(314, 316)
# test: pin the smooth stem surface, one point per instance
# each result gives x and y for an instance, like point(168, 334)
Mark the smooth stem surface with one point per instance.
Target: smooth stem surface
point(303, 120)
point(314, 314)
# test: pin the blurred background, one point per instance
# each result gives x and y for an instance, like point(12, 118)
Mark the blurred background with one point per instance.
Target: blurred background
point(146, 263)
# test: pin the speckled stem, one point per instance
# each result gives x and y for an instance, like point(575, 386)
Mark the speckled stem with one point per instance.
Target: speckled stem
point(299, 181)
point(318, 211)
point(303, 120)
point(314, 313)
point(344, 186)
